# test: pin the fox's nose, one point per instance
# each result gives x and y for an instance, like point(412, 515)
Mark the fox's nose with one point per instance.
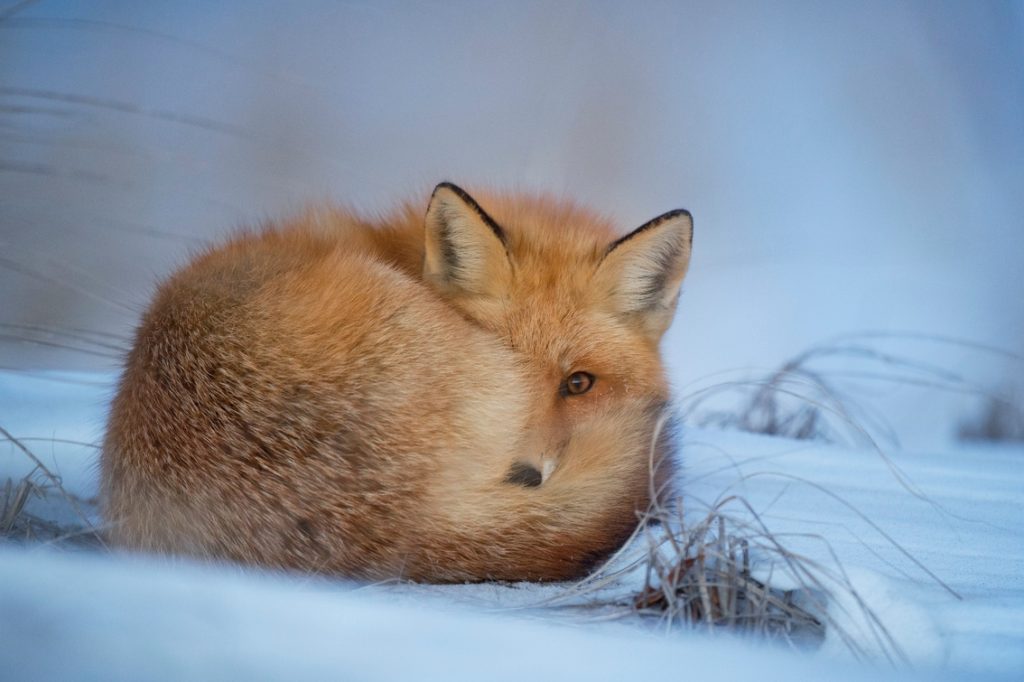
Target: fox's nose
point(524, 474)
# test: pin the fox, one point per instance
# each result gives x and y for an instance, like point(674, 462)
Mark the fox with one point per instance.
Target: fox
point(471, 393)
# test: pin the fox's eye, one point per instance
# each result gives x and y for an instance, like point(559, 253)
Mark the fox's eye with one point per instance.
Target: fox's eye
point(578, 383)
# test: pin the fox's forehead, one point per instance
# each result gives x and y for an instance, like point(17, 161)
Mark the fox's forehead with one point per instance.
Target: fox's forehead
point(546, 231)
point(554, 332)
point(555, 247)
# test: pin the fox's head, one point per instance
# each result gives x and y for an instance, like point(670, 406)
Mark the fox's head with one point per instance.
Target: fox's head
point(584, 310)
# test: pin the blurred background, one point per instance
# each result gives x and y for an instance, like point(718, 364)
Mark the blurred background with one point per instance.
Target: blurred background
point(853, 168)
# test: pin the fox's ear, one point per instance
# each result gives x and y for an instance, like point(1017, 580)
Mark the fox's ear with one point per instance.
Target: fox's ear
point(641, 273)
point(465, 249)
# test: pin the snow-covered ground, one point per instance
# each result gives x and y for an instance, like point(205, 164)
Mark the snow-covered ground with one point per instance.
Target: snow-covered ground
point(956, 512)
point(64, 617)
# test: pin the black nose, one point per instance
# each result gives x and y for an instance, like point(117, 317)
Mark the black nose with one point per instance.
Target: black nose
point(524, 474)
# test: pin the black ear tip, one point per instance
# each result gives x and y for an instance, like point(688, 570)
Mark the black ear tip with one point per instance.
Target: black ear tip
point(689, 217)
point(677, 213)
point(651, 224)
point(469, 201)
point(669, 216)
point(450, 186)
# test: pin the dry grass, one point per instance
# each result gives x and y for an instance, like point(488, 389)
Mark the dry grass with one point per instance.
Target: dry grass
point(721, 573)
point(19, 524)
point(811, 396)
point(1000, 419)
point(715, 571)
point(705, 578)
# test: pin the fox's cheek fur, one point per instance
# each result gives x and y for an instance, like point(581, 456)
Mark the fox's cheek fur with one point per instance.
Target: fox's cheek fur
point(397, 398)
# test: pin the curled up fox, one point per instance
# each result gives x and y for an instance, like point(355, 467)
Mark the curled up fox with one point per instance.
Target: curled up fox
point(467, 393)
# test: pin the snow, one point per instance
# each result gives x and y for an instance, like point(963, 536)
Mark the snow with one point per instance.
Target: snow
point(112, 616)
point(86, 618)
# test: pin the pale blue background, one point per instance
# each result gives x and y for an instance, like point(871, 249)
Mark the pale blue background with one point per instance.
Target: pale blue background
point(851, 166)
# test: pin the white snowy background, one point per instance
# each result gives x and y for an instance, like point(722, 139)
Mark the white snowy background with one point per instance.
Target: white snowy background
point(851, 168)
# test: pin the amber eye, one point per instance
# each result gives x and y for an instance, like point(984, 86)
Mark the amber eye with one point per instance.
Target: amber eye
point(578, 383)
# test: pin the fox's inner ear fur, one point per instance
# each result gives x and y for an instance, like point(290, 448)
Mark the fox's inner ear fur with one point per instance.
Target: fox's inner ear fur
point(465, 250)
point(641, 273)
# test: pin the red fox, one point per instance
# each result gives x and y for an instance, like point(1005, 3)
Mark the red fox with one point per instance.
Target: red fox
point(467, 396)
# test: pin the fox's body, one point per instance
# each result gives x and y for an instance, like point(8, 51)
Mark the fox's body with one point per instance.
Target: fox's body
point(402, 398)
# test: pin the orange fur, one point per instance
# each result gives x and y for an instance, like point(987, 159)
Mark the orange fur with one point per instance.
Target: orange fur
point(352, 397)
